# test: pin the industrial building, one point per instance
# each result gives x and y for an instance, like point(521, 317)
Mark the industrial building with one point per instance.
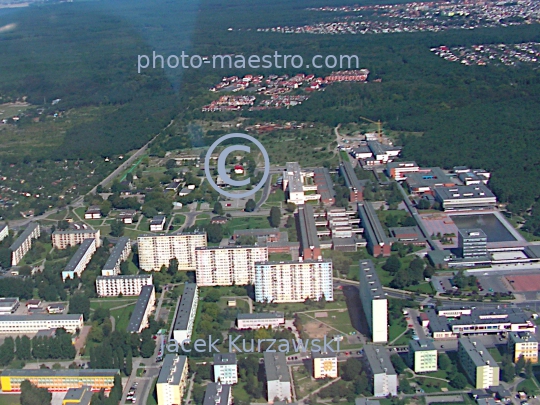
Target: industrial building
point(72, 237)
point(523, 344)
point(422, 356)
point(218, 394)
point(156, 251)
point(425, 180)
point(128, 285)
point(24, 242)
point(172, 380)
point(225, 368)
point(377, 241)
point(143, 309)
point(325, 364)
point(229, 265)
point(381, 371)
point(355, 186)
point(58, 380)
point(482, 370)
point(399, 170)
point(260, 320)
point(474, 197)
point(374, 302)
point(472, 243)
point(26, 324)
point(80, 260)
point(282, 282)
point(120, 252)
point(278, 380)
point(185, 314)
point(310, 247)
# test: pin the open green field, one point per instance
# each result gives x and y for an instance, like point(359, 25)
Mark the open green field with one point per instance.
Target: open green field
point(248, 223)
point(10, 399)
point(122, 317)
point(109, 303)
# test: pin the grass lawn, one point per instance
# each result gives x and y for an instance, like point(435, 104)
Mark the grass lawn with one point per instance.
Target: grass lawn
point(140, 372)
point(339, 320)
point(122, 317)
point(111, 302)
point(152, 400)
point(10, 399)
point(423, 288)
point(394, 330)
point(248, 223)
point(496, 354)
point(528, 386)
point(278, 195)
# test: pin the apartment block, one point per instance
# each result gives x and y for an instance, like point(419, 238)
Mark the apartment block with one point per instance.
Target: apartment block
point(72, 237)
point(422, 356)
point(4, 231)
point(218, 394)
point(225, 368)
point(231, 265)
point(374, 302)
point(278, 380)
point(156, 251)
point(378, 243)
point(381, 370)
point(523, 344)
point(185, 313)
point(25, 324)
point(172, 379)
point(143, 309)
point(24, 242)
point(120, 252)
point(482, 370)
point(126, 285)
point(80, 260)
point(290, 281)
point(260, 320)
point(325, 364)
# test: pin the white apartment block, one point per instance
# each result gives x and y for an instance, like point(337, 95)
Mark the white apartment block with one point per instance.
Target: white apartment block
point(172, 379)
point(25, 324)
point(225, 368)
point(381, 370)
point(72, 237)
point(374, 302)
point(126, 285)
point(4, 232)
point(481, 368)
point(233, 265)
point(80, 260)
point(325, 365)
point(157, 250)
point(120, 252)
point(282, 282)
point(24, 242)
point(278, 380)
point(422, 356)
point(185, 314)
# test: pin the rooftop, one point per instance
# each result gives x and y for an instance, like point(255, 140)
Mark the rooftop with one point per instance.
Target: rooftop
point(74, 231)
point(221, 359)
point(351, 181)
point(464, 192)
point(184, 308)
point(39, 317)
point(81, 396)
point(275, 365)
point(45, 372)
point(79, 254)
point(371, 223)
point(23, 236)
point(369, 274)
point(137, 317)
point(421, 345)
point(261, 315)
point(477, 352)
point(256, 232)
point(171, 369)
point(217, 394)
point(113, 259)
point(379, 360)
point(308, 230)
point(125, 277)
point(522, 337)
point(294, 176)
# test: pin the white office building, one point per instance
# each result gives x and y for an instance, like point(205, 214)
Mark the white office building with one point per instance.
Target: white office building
point(156, 251)
point(126, 285)
point(25, 324)
point(282, 282)
point(231, 265)
point(374, 302)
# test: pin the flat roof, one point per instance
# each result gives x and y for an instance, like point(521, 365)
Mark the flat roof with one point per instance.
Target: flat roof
point(522, 337)
point(308, 230)
point(217, 394)
point(2, 227)
point(294, 176)
point(427, 177)
point(23, 236)
point(124, 277)
point(351, 181)
point(39, 317)
point(158, 220)
point(256, 232)
point(79, 254)
point(44, 372)
point(74, 231)
point(114, 257)
point(477, 352)
point(222, 359)
point(371, 223)
point(9, 300)
point(275, 365)
point(379, 360)
point(170, 235)
point(325, 186)
point(184, 308)
point(168, 369)
point(293, 262)
point(421, 345)
point(476, 233)
point(82, 396)
point(140, 308)
point(262, 315)
point(369, 275)
point(464, 192)
point(437, 323)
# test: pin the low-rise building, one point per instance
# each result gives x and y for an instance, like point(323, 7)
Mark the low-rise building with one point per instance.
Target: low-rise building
point(325, 364)
point(225, 368)
point(9, 305)
point(78, 396)
point(399, 170)
point(310, 247)
point(482, 370)
point(127, 285)
point(456, 198)
point(92, 212)
point(185, 314)
point(127, 216)
point(260, 320)
point(143, 309)
point(422, 356)
point(278, 380)
point(25, 324)
point(377, 241)
point(72, 237)
point(218, 394)
point(172, 379)
point(523, 344)
point(381, 371)
point(120, 252)
point(24, 242)
point(158, 223)
point(355, 186)
point(80, 260)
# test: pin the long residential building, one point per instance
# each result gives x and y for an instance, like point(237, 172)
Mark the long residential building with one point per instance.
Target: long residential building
point(172, 380)
point(381, 370)
point(310, 247)
point(72, 237)
point(24, 324)
point(80, 260)
point(355, 186)
point(143, 309)
point(120, 252)
point(126, 285)
point(230, 265)
point(24, 242)
point(260, 320)
point(4, 231)
point(374, 302)
point(377, 241)
point(278, 380)
point(218, 394)
point(282, 282)
point(482, 370)
point(156, 251)
point(185, 314)
point(58, 380)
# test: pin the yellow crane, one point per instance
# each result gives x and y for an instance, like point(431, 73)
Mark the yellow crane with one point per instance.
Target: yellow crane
point(379, 125)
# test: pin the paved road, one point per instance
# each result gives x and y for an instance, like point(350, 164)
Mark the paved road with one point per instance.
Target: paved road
point(265, 194)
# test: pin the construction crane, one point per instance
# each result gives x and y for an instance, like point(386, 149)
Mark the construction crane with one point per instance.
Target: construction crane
point(379, 125)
